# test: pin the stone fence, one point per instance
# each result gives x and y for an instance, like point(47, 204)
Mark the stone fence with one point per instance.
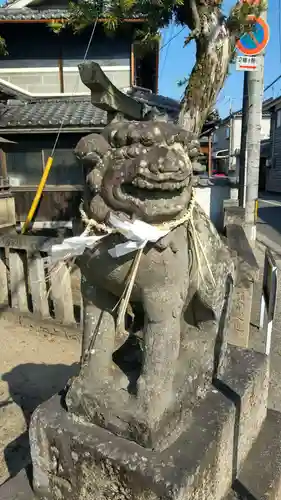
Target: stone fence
point(31, 288)
point(29, 284)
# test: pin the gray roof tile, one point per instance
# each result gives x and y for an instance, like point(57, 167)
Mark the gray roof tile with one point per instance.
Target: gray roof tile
point(23, 112)
point(32, 14)
point(29, 13)
point(49, 113)
point(39, 113)
point(160, 101)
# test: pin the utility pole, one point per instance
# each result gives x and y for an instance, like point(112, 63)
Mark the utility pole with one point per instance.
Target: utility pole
point(243, 144)
point(250, 143)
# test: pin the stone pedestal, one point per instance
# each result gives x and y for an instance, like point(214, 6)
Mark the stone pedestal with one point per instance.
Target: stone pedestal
point(75, 460)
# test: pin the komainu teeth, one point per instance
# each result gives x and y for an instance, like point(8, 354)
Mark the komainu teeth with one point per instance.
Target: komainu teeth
point(142, 183)
point(143, 163)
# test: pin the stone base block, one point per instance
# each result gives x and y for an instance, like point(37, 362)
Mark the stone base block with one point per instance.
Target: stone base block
point(74, 460)
point(260, 477)
point(18, 488)
point(109, 404)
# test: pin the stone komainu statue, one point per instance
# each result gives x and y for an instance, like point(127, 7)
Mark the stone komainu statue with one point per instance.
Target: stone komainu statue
point(147, 378)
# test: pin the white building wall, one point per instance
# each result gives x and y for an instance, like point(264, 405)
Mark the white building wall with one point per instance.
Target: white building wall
point(233, 141)
point(43, 80)
point(237, 126)
point(35, 54)
point(273, 171)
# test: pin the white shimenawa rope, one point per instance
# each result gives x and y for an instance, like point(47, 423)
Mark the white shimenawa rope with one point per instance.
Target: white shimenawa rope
point(187, 218)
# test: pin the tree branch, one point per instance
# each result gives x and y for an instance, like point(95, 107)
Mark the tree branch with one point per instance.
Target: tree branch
point(215, 38)
point(238, 20)
point(3, 47)
point(214, 34)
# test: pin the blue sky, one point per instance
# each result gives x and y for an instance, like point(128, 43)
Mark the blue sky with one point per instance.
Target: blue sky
point(176, 62)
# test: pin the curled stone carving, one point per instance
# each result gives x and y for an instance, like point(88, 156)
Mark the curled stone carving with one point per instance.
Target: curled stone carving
point(142, 383)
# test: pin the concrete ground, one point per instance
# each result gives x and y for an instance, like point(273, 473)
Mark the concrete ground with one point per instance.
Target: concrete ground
point(35, 365)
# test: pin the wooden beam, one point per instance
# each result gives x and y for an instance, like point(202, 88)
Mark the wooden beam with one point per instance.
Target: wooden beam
point(3, 162)
point(210, 155)
point(43, 161)
point(61, 76)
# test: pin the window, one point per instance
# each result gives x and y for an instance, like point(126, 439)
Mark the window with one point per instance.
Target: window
point(65, 169)
point(24, 167)
point(227, 132)
point(215, 138)
point(278, 118)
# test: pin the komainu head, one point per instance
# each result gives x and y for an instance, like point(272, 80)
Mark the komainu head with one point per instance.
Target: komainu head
point(142, 169)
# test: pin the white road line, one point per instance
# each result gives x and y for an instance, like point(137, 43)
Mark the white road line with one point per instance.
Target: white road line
point(275, 203)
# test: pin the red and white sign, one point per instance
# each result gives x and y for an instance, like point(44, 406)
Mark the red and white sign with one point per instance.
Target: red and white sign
point(251, 2)
point(246, 63)
point(254, 42)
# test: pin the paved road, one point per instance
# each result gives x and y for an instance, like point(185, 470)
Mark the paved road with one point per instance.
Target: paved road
point(269, 234)
point(269, 221)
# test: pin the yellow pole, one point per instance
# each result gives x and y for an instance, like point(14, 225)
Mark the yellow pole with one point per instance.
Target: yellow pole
point(256, 209)
point(38, 195)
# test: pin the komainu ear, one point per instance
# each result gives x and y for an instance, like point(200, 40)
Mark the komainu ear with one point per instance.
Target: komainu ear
point(92, 144)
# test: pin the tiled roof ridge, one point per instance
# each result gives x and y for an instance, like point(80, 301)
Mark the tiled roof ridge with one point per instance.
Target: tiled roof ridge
point(67, 100)
point(42, 13)
point(23, 109)
point(141, 95)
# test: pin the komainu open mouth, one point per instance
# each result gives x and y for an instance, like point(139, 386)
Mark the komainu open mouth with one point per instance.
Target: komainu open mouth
point(170, 185)
point(153, 193)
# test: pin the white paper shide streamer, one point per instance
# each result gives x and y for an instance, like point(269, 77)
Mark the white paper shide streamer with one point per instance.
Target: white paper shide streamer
point(137, 234)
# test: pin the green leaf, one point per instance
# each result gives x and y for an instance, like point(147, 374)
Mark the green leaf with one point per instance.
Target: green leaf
point(182, 82)
point(111, 23)
point(127, 5)
point(56, 27)
point(3, 47)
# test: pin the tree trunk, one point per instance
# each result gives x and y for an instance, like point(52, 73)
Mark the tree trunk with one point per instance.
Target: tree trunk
point(215, 38)
point(206, 81)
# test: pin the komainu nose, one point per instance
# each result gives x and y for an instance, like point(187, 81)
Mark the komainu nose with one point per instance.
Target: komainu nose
point(172, 162)
point(165, 160)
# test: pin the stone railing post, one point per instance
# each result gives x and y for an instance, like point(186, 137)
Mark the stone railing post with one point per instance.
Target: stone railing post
point(4, 291)
point(29, 282)
point(246, 274)
point(37, 282)
point(18, 280)
point(62, 294)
